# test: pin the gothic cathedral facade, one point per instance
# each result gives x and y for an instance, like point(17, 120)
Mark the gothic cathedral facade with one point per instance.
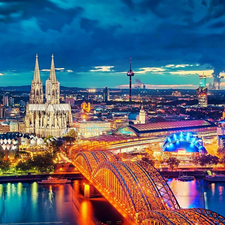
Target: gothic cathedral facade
point(49, 117)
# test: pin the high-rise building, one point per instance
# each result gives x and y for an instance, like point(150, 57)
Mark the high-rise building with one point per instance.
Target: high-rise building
point(202, 92)
point(1, 112)
point(51, 117)
point(221, 134)
point(11, 101)
point(5, 100)
point(106, 94)
point(22, 103)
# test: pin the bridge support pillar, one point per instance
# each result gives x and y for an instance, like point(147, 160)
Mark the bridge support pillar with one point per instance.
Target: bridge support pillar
point(90, 191)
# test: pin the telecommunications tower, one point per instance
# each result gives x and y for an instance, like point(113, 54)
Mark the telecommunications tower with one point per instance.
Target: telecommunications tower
point(130, 74)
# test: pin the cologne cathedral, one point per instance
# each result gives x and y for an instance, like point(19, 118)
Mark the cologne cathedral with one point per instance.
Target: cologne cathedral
point(48, 117)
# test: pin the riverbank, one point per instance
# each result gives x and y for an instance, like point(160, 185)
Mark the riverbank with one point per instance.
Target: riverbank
point(78, 176)
point(39, 177)
point(200, 173)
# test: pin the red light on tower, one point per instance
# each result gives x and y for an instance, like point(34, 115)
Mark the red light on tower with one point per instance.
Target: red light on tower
point(130, 74)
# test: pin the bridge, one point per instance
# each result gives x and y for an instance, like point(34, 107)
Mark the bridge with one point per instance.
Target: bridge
point(138, 191)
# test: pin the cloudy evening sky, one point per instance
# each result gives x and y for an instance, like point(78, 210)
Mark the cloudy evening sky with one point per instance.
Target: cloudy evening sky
point(170, 41)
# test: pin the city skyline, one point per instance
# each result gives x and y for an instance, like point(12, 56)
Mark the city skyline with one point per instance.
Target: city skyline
point(170, 43)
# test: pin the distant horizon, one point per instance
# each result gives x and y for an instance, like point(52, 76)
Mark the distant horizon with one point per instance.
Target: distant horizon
point(117, 88)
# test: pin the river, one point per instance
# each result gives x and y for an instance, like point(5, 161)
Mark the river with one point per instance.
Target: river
point(30, 203)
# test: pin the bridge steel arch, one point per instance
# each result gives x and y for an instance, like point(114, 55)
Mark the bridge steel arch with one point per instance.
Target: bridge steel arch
point(155, 184)
point(87, 161)
point(161, 185)
point(138, 191)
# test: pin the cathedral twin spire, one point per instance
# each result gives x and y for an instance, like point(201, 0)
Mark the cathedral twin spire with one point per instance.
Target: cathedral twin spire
point(36, 71)
point(52, 86)
point(52, 71)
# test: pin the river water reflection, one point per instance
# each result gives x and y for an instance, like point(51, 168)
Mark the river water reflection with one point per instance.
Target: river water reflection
point(28, 203)
point(200, 193)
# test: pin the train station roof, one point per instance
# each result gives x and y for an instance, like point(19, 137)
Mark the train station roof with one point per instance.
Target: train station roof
point(166, 126)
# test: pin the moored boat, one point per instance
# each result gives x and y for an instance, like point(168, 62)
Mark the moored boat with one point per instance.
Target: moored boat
point(215, 178)
point(52, 180)
point(186, 178)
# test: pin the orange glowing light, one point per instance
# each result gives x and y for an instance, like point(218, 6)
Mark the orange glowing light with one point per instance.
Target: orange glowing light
point(181, 152)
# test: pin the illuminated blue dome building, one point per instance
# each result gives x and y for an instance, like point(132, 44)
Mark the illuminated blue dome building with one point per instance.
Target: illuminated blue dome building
point(184, 143)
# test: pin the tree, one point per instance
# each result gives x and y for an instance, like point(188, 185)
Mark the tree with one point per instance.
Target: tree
point(24, 166)
point(195, 160)
point(72, 133)
point(69, 139)
point(204, 160)
point(56, 145)
point(173, 162)
point(4, 165)
point(150, 161)
point(222, 160)
point(43, 163)
point(2, 154)
point(214, 160)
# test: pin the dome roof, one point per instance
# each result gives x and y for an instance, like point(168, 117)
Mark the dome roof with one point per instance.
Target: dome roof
point(184, 141)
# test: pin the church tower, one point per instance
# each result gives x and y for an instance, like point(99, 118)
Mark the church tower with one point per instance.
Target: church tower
point(142, 116)
point(52, 89)
point(36, 93)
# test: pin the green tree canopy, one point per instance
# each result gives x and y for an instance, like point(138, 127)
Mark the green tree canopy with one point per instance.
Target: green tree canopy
point(173, 162)
point(2, 154)
point(72, 133)
point(43, 163)
point(204, 160)
point(24, 166)
point(4, 165)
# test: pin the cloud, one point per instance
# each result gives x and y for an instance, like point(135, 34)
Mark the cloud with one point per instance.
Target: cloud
point(207, 73)
point(70, 71)
point(170, 65)
point(180, 65)
point(61, 69)
point(1, 74)
point(102, 69)
point(48, 70)
point(163, 86)
point(145, 70)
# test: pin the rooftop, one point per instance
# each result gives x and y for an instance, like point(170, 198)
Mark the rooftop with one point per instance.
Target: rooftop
point(161, 126)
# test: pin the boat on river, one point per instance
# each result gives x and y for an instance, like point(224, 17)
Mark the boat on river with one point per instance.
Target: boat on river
point(186, 178)
point(215, 178)
point(52, 180)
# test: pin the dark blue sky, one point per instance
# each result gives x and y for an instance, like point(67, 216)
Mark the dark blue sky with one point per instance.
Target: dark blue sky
point(170, 41)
